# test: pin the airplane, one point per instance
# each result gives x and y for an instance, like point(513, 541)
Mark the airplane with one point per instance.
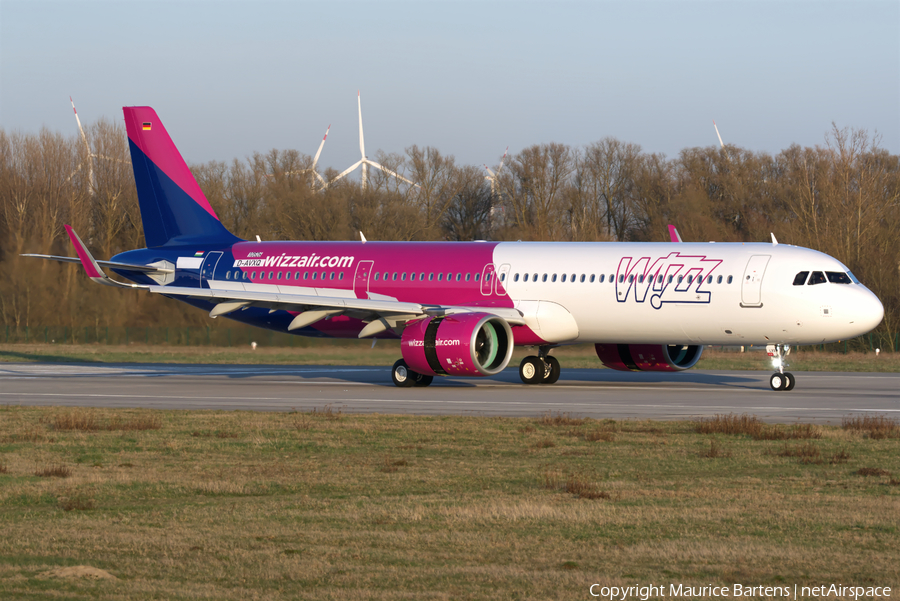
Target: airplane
point(459, 308)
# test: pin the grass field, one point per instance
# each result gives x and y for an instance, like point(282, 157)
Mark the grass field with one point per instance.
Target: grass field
point(387, 351)
point(324, 505)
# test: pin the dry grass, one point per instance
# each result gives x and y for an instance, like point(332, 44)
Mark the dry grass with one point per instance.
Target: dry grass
point(3, 469)
point(561, 419)
point(76, 501)
point(752, 426)
point(872, 471)
point(54, 471)
point(434, 507)
point(88, 420)
point(873, 426)
point(715, 450)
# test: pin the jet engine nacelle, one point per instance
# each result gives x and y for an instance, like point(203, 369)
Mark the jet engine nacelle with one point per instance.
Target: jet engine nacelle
point(461, 344)
point(649, 357)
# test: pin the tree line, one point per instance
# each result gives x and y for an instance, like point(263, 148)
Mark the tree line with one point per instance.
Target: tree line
point(842, 198)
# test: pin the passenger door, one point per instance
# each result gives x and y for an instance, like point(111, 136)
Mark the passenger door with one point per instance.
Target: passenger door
point(751, 284)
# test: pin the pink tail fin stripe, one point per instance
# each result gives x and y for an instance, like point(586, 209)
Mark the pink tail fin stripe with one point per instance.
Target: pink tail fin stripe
point(157, 146)
point(87, 261)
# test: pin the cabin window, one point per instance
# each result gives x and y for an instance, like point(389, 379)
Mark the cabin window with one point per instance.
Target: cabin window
point(253, 275)
point(271, 275)
point(582, 278)
point(331, 276)
point(631, 279)
point(553, 278)
point(422, 277)
point(602, 278)
point(376, 276)
point(477, 276)
point(315, 274)
point(449, 276)
point(287, 275)
point(680, 279)
point(305, 275)
point(719, 280)
point(621, 278)
point(524, 277)
point(730, 279)
point(709, 280)
point(430, 277)
point(394, 277)
point(659, 279)
point(572, 278)
point(817, 277)
point(544, 279)
point(227, 275)
point(838, 277)
point(412, 277)
point(487, 277)
point(440, 277)
point(468, 276)
point(800, 278)
point(341, 276)
point(516, 278)
point(458, 277)
point(690, 279)
point(279, 275)
point(502, 277)
point(323, 275)
point(612, 278)
point(403, 277)
point(641, 279)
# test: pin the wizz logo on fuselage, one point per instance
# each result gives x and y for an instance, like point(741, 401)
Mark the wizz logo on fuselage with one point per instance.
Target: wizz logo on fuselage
point(674, 278)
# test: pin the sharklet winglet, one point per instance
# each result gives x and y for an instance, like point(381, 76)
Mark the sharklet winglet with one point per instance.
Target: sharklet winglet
point(94, 271)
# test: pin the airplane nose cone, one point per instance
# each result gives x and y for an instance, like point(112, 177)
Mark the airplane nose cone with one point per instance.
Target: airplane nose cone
point(867, 312)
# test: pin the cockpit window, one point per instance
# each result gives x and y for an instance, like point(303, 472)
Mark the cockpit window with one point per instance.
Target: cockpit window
point(838, 277)
point(800, 278)
point(817, 277)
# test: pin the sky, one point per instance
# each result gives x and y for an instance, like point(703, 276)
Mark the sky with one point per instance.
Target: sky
point(469, 78)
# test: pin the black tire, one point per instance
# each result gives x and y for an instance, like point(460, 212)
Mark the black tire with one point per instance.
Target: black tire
point(777, 382)
point(791, 380)
point(531, 370)
point(421, 380)
point(402, 375)
point(552, 374)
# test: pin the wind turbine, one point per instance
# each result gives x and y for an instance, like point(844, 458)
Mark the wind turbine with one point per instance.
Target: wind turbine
point(90, 155)
point(717, 133)
point(315, 160)
point(492, 177)
point(365, 162)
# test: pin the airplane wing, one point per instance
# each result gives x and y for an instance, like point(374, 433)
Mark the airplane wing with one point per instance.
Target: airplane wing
point(109, 264)
point(380, 313)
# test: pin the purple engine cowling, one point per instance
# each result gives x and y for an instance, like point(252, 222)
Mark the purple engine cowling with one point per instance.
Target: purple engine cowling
point(461, 344)
point(649, 357)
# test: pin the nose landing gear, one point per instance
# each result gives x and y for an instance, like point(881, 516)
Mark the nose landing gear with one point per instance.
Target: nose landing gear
point(780, 380)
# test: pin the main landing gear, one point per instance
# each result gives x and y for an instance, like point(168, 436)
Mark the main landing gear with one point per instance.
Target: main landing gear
point(543, 369)
point(404, 377)
point(780, 380)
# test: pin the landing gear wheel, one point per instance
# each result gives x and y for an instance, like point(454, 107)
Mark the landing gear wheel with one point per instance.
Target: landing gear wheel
point(402, 375)
point(531, 370)
point(791, 380)
point(422, 380)
point(778, 381)
point(551, 374)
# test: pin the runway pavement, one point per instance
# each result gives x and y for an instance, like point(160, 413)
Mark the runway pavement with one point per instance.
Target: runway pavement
point(600, 393)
